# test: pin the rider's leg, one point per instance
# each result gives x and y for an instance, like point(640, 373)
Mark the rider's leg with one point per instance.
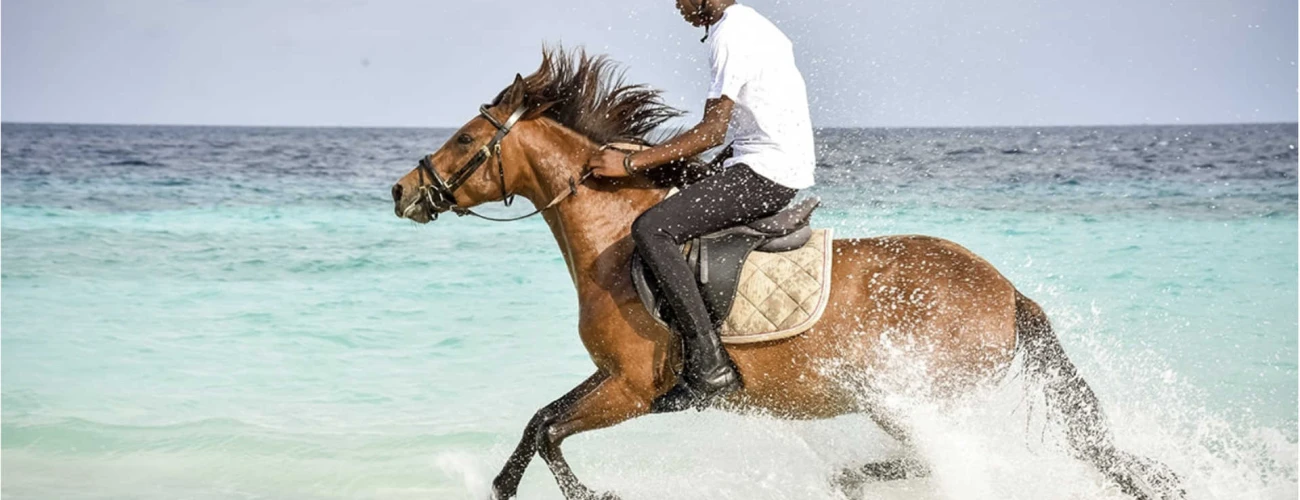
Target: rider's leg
point(735, 196)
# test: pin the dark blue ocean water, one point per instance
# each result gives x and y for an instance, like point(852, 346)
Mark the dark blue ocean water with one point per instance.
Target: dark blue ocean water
point(214, 312)
point(1216, 171)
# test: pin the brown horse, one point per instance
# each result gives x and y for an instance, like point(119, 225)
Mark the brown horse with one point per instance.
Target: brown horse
point(970, 321)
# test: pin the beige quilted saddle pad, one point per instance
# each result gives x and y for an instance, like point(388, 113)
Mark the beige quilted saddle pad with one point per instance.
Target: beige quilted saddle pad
point(781, 295)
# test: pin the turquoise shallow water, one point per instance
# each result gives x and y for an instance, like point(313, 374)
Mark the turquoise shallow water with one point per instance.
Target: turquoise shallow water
point(274, 332)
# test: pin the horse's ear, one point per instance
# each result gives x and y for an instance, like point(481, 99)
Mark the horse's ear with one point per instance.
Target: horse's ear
point(515, 95)
point(539, 110)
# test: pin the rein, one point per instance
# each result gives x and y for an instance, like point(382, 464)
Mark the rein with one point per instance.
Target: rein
point(441, 195)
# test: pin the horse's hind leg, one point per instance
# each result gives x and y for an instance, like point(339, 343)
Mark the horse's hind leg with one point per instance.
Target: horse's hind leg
point(1070, 400)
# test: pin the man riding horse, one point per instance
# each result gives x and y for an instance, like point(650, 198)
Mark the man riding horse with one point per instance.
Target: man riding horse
point(758, 95)
point(543, 137)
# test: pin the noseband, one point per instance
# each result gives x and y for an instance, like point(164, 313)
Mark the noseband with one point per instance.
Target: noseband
point(441, 194)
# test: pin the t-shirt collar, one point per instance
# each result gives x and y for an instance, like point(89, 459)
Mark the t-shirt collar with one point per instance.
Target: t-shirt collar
point(725, 12)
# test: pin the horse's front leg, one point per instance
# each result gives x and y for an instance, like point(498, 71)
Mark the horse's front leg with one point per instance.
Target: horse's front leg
point(613, 401)
point(507, 482)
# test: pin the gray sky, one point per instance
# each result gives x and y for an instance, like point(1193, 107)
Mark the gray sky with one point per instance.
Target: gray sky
point(430, 63)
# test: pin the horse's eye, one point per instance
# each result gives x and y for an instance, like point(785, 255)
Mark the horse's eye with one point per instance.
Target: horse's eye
point(464, 139)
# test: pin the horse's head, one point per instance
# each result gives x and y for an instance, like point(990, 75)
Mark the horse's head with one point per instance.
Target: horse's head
point(469, 169)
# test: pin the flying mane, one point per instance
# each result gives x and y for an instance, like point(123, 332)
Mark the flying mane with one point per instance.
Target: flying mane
point(591, 97)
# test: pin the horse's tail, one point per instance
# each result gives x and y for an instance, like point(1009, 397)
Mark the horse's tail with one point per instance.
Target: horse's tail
point(1070, 401)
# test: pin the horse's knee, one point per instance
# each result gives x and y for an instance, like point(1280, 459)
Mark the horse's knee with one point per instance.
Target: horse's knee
point(537, 426)
point(549, 436)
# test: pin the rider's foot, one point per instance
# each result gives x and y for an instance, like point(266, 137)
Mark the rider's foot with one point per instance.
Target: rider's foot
point(698, 391)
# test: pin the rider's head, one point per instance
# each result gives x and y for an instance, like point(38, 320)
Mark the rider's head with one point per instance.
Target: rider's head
point(702, 12)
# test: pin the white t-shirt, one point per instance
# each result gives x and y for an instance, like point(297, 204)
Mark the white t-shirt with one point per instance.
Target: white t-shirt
point(753, 65)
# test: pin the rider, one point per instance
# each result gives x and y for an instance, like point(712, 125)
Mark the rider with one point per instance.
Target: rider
point(758, 95)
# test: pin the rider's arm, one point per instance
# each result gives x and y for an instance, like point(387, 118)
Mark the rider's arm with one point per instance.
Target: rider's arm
point(709, 133)
point(706, 135)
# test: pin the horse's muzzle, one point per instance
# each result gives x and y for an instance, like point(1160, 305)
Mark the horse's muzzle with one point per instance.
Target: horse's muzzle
point(410, 205)
point(401, 206)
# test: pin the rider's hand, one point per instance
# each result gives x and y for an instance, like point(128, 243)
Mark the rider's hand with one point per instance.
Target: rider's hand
point(607, 163)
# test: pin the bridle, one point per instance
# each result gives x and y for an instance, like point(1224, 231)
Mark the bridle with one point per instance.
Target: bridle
point(441, 194)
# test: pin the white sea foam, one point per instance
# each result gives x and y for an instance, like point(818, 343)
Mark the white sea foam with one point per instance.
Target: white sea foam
point(998, 443)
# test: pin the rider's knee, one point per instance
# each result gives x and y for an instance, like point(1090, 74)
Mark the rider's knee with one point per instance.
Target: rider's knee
point(646, 228)
point(641, 230)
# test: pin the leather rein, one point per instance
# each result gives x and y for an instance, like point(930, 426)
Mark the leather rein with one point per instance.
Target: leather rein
point(440, 194)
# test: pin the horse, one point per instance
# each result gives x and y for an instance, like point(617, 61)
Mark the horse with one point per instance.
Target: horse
point(533, 141)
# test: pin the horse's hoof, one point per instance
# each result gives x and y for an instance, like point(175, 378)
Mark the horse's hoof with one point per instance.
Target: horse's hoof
point(497, 495)
point(849, 482)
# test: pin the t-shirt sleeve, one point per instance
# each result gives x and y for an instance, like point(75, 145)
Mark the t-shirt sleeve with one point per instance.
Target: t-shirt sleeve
point(730, 70)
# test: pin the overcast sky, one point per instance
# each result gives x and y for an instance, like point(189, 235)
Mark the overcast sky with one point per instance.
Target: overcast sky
point(430, 63)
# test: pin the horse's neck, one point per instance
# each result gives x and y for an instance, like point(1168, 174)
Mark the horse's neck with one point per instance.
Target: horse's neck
point(592, 226)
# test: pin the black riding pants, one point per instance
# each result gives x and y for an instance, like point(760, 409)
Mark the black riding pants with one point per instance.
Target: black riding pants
point(731, 198)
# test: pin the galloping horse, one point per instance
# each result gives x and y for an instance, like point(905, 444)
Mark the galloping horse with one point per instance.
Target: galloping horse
point(534, 139)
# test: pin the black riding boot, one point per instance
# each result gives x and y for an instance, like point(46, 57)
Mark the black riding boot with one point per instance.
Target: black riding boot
point(707, 373)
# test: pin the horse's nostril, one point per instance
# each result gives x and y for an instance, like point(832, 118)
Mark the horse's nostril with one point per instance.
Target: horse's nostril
point(397, 193)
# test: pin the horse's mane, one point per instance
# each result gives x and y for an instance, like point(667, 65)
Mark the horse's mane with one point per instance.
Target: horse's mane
point(589, 95)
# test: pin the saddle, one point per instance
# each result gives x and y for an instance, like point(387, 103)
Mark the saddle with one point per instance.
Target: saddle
point(761, 281)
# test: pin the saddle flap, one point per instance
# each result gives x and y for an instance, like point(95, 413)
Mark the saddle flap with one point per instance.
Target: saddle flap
point(752, 297)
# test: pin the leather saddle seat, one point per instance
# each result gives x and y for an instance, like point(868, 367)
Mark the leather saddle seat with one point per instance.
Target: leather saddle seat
point(718, 259)
point(782, 232)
